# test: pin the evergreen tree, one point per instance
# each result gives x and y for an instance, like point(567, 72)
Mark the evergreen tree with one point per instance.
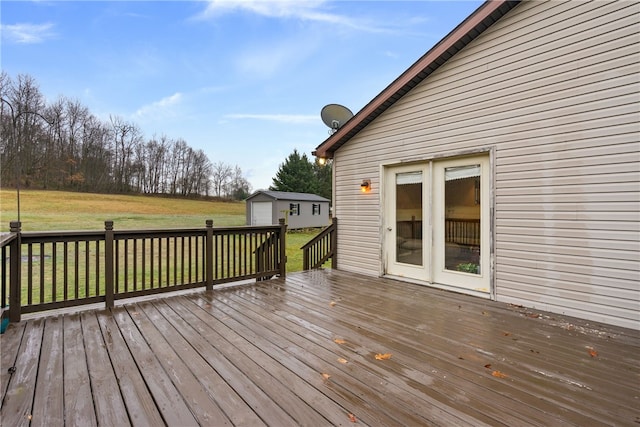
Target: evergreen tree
point(324, 177)
point(295, 174)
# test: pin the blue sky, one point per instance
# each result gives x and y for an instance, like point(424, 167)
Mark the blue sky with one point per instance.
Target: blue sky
point(242, 80)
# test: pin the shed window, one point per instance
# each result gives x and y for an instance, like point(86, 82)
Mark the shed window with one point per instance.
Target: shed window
point(315, 209)
point(294, 208)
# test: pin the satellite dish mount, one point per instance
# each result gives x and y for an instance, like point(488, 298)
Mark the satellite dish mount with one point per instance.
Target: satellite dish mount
point(334, 116)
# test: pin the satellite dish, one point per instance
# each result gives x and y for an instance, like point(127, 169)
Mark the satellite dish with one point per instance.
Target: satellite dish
point(335, 115)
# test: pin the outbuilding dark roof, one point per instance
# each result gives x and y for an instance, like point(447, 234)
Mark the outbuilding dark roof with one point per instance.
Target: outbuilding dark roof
point(481, 19)
point(286, 195)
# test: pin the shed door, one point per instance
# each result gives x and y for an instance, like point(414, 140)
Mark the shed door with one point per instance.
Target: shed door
point(261, 213)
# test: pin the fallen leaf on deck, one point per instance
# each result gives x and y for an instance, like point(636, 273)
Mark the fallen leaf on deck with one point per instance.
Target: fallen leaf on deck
point(498, 374)
point(332, 303)
point(506, 334)
point(326, 376)
point(385, 356)
point(341, 360)
point(484, 313)
point(533, 315)
point(339, 341)
point(488, 366)
point(353, 418)
point(592, 352)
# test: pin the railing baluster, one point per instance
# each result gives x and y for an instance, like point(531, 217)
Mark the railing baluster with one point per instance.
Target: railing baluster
point(87, 268)
point(29, 274)
point(54, 272)
point(65, 269)
point(108, 264)
point(134, 263)
point(76, 271)
point(144, 263)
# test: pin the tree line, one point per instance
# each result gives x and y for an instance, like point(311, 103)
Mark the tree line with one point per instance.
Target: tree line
point(61, 145)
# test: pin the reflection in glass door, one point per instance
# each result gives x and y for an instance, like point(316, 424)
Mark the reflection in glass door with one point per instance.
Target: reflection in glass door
point(462, 206)
point(409, 218)
point(461, 212)
point(405, 217)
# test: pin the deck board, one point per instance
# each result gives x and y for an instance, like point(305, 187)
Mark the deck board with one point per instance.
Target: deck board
point(141, 407)
point(78, 401)
point(107, 398)
point(48, 404)
point(301, 351)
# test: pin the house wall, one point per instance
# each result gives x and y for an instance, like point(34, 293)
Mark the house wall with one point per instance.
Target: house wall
point(552, 89)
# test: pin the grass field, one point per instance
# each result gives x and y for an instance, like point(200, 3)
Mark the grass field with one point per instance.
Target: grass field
point(59, 210)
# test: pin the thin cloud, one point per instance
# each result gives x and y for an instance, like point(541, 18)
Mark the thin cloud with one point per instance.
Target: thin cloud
point(160, 108)
point(27, 33)
point(280, 118)
point(313, 11)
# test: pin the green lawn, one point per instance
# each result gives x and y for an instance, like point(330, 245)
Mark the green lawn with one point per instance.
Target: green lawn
point(59, 210)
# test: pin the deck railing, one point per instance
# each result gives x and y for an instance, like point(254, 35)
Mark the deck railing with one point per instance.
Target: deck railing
point(462, 231)
point(321, 248)
point(49, 270)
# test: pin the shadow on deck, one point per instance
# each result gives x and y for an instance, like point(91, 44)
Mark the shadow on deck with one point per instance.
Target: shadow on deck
point(302, 351)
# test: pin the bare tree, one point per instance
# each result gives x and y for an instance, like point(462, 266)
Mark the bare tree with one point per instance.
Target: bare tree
point(220, 176)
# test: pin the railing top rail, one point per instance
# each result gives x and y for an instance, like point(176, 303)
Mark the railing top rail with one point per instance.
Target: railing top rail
point(320, 235)
point(30, 235)
point(35, 235)
point(6, 238)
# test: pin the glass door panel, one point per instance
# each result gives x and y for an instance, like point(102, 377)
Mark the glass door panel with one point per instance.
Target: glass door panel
point(462, 205)
point(461, 223)
point(405, 221)
point(409, 217)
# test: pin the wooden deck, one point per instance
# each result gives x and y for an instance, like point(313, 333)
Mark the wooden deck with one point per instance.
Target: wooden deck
point(302, 351)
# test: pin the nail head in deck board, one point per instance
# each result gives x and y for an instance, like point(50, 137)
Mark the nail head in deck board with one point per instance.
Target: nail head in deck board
point(159, 331)
point(48, 403)
point(170, 404)
point(78, 403)
point(110, 408)
point(139, 402)
point(18, 402)
point(9, 347)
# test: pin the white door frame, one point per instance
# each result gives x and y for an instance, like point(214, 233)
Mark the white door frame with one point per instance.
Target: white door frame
point(389, 253)
point(473, 283)
point(462, 282)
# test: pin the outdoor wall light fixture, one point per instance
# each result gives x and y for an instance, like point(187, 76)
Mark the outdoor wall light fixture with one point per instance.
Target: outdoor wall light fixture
point(365, 187)
point(322, 161)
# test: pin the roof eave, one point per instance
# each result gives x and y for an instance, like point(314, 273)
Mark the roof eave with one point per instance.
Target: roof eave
point(481, 19)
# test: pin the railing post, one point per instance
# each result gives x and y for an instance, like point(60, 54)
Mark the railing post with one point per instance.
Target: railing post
point(209, 255)
point(283, 247)
point(334, 243)
point(108, 263)
point(15, 273)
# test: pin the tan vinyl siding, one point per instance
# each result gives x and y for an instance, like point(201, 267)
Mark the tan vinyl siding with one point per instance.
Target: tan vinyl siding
point(554, 89)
